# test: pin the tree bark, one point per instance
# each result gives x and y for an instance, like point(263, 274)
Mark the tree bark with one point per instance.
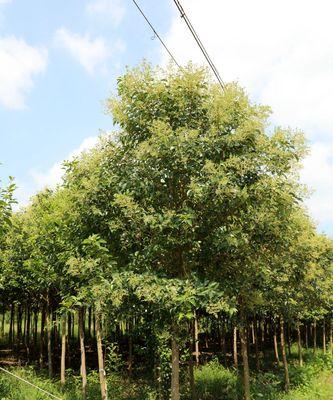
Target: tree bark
point(11, 324)
point(255, 342)
point(306, 336)
point(299, 345)
point(3, 321)
point(276, 350)
point(284, 357)
point(196, 341)
point(246, 369)
point(102, 375)
point(315, 337)
point(175, 389)
point(49, 338)
point(235, 353)
point(42, 338)
point(331, 337)
point(324, 337)
point(83, 354)
point(63, 351)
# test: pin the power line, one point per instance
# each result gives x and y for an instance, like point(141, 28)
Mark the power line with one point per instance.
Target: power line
point(199, 42)
point(155, 33)
point(31, 384)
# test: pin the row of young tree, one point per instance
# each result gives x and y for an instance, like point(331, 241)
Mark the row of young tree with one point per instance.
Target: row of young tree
point(190, 213)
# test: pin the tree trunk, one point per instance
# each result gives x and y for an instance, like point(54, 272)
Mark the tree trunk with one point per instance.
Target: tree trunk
point(196, 341)
point(83, 355)
point(315, 337)
point(306, 336)
point(331, 337)
point(102, 375)
point(246, 370)
point(49, 338)
point(235, 353)
point(276, 350)
point(27, 335)
point(299, 345)
point(175, 389)
point(11, 324)
point(324, 337)
point(89, 322)
point(42, 338)
point(223, 343)
point(252, 332)
point(19, 323)
point(255, 342)
point(3, 321)
point(35, 328)
point(284, 356)
point(63, 351)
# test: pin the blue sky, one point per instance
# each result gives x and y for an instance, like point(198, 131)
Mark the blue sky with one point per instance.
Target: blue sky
point(59, 61)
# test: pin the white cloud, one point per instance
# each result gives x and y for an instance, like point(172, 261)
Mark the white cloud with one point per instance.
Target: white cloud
point(19, 63)
point(49, 178)
point(113, 9)
point(91, 53)
point(52, 177)
point(317, 173)
point(282, 52)
point(5, 1)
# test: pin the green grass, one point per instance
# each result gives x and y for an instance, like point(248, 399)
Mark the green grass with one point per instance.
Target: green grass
point(118, 387)
point(314, 381)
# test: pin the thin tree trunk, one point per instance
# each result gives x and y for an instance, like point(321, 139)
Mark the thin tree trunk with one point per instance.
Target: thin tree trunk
point(255, 342)
point(27, 332)
point(235, 353)
point(42, 338)
point(83, 355)
point(315, 337)
point(252, 333)
point(246, 369)
point(284, 356)
point(63, 351)
point(49, 338)
point(223, 343)
point(331, 337)
point(102, 375)
point(3, 321)
point(35, 328)
point(299, 345)
point(89, 322)
point(196, 341)
point(11, 324)
point(306, 336)
point(276, 349)
point(175, 389)
point(19, 323)
point(324, 337)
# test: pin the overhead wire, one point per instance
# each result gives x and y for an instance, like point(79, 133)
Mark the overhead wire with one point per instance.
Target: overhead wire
point(31, 384)
point(199, 42)
point(155, 32)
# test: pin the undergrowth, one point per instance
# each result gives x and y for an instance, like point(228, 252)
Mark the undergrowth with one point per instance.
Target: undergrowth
point(213, 382)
